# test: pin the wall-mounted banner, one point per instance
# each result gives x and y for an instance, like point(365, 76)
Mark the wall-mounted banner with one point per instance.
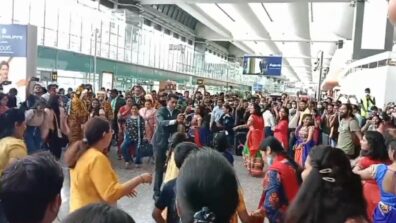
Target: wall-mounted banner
point(260, 65)
point(13, 40)
point(18, 56)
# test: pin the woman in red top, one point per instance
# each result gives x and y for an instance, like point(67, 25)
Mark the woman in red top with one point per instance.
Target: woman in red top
point(280, 184)
point(373, 152)
point(255, 135)
point(123, 113)
point(317, 121)
point(281, 131)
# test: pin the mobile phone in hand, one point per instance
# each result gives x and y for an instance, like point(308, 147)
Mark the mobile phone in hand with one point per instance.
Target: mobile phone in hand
point(35, 79)
point(6, 83)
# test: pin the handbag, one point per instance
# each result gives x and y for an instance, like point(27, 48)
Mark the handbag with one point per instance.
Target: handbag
point(144, 146)
point(146, 149)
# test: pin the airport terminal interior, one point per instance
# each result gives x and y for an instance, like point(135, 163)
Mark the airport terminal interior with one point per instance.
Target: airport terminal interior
point(198, 111)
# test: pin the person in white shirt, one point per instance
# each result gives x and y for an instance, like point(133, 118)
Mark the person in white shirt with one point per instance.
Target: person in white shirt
point(269, 121)
point(216, 115)
point(51, 90)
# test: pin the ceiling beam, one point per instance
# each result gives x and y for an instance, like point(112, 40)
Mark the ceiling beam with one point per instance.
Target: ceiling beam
point(252, 19)
point(151, 2)
point(300, 12)
point(243, 47)
point(198, 14)
point(278, 40)
point(212, 24)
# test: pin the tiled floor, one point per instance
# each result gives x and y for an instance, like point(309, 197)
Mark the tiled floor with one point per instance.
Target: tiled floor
point(140, 208)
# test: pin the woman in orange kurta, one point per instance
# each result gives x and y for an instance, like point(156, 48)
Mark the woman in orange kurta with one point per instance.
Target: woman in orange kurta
point(148, 114)
point(255, 135)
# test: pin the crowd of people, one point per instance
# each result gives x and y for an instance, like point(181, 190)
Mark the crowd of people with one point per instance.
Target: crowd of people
point(321, 161)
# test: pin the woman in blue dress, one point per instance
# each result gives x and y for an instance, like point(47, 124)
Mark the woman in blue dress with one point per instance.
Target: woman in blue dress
point(386, 209)
point(304, 143)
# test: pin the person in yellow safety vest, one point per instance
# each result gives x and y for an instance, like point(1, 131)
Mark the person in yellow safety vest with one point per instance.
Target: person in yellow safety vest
point(367, 103)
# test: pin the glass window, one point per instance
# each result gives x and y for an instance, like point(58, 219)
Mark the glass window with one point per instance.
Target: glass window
point(50, 38)
point(113, 40)
point(75, 31)
point(104, 39)
point(121, 42)
point(158, 36)
point(36, 17)
point(51, 23)
point(136, 43)
point(6, 11)
point(128, 43)
point(21, 11)
point(51, 15)
point(64, 28)
point(88, 37)
point(144, 49)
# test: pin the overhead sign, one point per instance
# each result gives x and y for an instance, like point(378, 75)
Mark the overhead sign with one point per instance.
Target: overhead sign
point(200, 81)
point(54, 76)
point(266, 65)
point(13, 40)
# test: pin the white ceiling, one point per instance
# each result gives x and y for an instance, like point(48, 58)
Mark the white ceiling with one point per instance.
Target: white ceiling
point(296, 29)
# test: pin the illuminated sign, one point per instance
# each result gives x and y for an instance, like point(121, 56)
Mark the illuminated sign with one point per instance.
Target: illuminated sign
point(258, 65)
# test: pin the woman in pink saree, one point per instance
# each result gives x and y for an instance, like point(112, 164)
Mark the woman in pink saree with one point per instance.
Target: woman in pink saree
point(148, 114)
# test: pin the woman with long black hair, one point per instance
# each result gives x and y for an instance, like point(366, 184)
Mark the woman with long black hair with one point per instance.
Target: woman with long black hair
point(385, 212)
point(281, 181)
point(255, 124)
point(330, 192)
point(35, 120)
point(55, 127)
point(96, 109)
point(211, 197)
point(373, 152)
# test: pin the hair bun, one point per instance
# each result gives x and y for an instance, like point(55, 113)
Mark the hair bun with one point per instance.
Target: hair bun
point(204, 216)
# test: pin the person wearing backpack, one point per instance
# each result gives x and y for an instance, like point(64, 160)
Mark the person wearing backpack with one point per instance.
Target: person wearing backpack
point(349, 132)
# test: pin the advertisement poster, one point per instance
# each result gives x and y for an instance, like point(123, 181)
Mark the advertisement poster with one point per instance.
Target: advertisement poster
point(12, 53)
point(15, 70)
point(260, 65)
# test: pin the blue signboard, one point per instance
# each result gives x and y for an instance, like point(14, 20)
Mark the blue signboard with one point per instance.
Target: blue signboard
point(13, 42)
point(269, 65)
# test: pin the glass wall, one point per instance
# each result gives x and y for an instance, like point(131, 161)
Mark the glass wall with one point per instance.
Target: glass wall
point(80, 26)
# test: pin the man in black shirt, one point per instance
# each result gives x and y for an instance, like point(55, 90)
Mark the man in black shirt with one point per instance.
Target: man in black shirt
point(12, 101)
point(167, 197)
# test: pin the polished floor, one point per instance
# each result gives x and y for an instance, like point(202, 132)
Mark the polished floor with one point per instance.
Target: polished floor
point(140, 208)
